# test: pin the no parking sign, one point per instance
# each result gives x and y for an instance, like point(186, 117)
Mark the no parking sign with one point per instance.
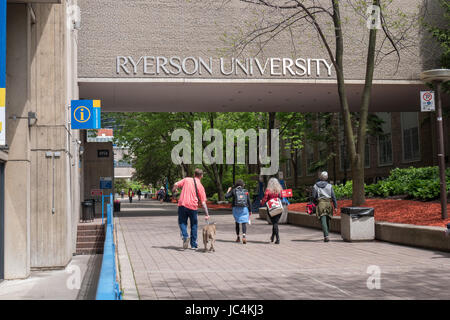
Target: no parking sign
point(427, 101)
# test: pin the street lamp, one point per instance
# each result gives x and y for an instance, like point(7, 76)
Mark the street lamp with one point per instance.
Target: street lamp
point(438, 76)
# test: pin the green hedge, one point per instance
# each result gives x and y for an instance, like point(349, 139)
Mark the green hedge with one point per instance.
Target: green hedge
point(415, 183)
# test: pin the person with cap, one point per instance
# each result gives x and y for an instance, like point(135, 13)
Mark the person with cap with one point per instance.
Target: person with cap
point(323, 195)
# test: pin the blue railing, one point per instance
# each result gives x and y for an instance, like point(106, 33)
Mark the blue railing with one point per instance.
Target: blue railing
point(108, 287)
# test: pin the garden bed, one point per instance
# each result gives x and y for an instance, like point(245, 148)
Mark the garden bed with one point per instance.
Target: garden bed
point(396, 211)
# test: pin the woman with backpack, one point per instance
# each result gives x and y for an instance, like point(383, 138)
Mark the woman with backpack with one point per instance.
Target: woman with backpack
point(242, 208)
point(273, 191)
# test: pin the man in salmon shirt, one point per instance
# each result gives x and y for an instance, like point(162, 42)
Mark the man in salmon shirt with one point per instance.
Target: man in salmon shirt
point(192, 193)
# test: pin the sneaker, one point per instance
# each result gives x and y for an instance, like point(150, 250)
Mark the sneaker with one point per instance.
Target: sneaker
point(244, 240)
point(326, 239)
point(185, 243)
point(278, 241)
point(238, 239)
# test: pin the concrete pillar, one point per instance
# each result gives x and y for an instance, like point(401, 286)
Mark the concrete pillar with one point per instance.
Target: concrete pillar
point(51, 219)
point(17, 170)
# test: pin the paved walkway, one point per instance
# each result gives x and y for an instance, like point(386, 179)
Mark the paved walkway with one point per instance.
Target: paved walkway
point(301, 267)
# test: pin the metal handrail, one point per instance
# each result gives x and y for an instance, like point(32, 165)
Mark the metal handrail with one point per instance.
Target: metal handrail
point(108, 287)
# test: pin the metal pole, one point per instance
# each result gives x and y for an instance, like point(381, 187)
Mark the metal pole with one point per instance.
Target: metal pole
point(103, 205)
point(441, 150)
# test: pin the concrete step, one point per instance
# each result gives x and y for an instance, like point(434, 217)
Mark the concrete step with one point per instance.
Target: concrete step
point(96, 238)
point(90, 233)
point(89, 245)
point(89, 251)
point(82, 227)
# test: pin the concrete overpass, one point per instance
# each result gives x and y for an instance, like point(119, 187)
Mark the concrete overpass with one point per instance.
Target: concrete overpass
point(168, 56)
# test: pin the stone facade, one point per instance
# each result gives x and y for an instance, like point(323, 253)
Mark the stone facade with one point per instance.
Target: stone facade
point(42, 169)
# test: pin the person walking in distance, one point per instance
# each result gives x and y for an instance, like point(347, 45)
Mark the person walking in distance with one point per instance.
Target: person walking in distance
point(273, 191)
point(323, 195)
point(192, 194)
point(130, 195)
point(241, 206)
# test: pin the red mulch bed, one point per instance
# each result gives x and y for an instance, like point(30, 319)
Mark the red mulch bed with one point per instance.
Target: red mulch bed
point(397, 211)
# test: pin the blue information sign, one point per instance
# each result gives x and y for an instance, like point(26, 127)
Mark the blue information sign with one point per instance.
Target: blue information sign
point(105, 183)
point(86, 114)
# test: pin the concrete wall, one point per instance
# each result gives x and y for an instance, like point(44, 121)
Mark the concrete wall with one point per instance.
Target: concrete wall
point(205, 29)
point(18, 167)
point(40, 208)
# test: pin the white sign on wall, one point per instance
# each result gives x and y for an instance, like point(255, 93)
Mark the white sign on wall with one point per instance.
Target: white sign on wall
point(427, 101)
point(197, 66)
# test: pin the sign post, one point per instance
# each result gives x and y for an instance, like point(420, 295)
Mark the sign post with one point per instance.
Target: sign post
point(2, 72)
point(427, 101)
point(437, 77)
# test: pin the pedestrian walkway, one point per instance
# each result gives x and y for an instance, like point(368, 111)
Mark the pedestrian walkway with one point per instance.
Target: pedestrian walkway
point(301, 267)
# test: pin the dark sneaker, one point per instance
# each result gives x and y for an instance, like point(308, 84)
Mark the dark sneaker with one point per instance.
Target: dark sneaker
point(278, 241)
point(326, 239)
point(185, 243)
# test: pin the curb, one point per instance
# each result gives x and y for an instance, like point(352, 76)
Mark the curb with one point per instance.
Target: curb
point(432, 238)
point(126, 274)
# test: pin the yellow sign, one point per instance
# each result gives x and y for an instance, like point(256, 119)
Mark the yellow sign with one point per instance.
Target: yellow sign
point(2, 97)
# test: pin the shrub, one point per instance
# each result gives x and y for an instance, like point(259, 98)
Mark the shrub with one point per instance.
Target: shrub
point(214, 198)
point(416, 183)
point(342, 191)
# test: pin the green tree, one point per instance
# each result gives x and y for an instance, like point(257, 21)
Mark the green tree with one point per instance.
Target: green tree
point(277, 17)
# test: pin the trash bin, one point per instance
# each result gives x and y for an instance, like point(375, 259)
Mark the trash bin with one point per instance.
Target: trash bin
point(88, 210)
point(116, 205)
point(357, 224)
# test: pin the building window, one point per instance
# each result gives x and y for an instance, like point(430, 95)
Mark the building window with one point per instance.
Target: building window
point(309, 153)
point(410, 134)
point(299, 163)
point(323, 155)
point(288, 168)
point(344, 161)
point(367, 154)
point(385, 140)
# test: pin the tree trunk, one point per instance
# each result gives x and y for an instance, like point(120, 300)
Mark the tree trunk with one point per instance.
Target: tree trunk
point(359, 197)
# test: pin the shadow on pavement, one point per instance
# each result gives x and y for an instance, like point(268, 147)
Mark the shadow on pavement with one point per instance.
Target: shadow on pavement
point(166, 213)
point(88, 288)
point(171, 248)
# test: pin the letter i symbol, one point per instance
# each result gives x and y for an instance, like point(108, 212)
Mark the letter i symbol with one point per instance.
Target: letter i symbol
point(82, 114)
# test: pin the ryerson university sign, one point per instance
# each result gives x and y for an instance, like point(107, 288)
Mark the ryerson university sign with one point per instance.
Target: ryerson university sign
point(159, 65)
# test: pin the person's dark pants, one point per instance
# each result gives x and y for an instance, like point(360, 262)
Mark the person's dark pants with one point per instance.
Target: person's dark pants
point(183, 215)
point(244, 228)
point(131, 199)
point(325, 221)
point(275, 230)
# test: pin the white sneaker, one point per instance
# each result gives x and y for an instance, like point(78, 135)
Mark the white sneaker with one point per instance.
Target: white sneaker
point(185, 243)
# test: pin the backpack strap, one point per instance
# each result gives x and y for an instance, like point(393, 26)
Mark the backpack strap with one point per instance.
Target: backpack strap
point(196, 191)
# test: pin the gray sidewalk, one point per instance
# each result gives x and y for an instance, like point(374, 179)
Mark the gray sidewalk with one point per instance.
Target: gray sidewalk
point(301, 267)
point(78, 281)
